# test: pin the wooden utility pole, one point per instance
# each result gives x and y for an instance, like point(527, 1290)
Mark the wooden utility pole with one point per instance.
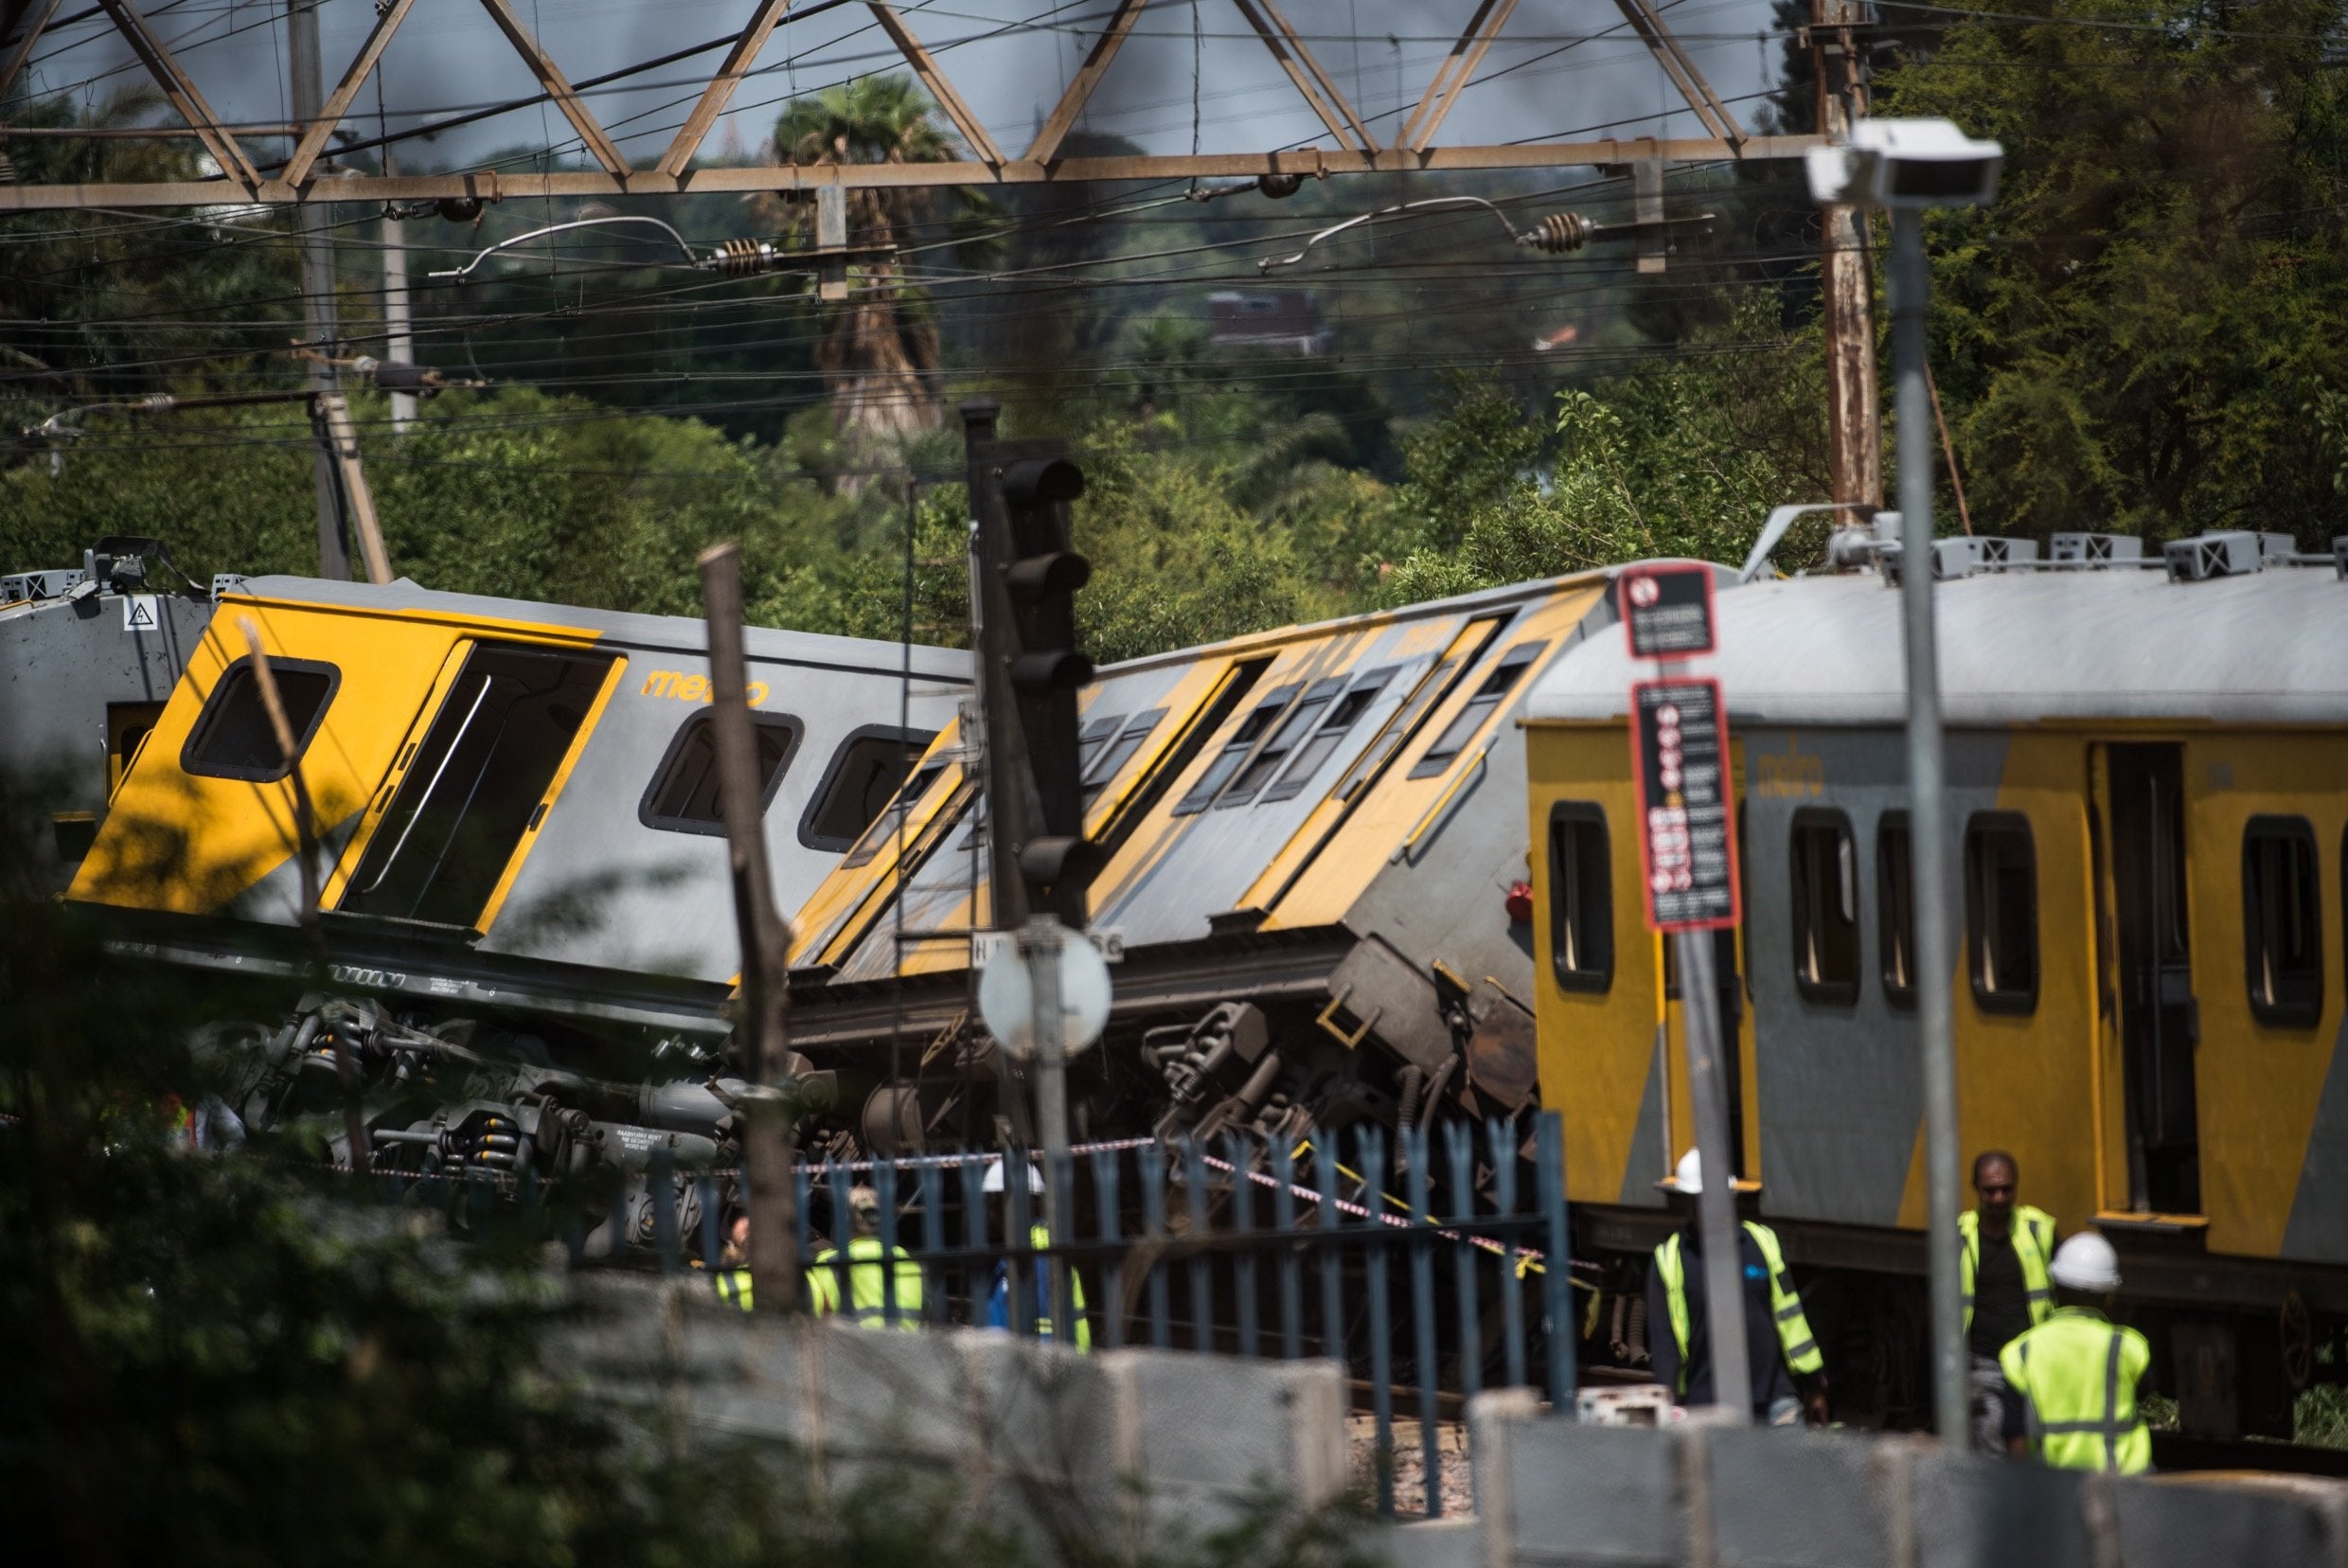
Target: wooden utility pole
point(767, 1134)
point(1856, 432)
point(301, 25)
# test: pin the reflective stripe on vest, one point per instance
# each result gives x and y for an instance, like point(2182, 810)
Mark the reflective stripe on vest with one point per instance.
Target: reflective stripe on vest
point(1039, 1238)
point(868, 1284)
point(2077, 1375)
point(2032, 1232)
point(1793, 1327)
point(734, 1288)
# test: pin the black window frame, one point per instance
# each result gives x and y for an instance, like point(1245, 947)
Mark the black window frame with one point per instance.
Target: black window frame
point(697, 723)
point(2001, 999)
point(912, 744)
point(239, 675)
point(1490, 695)
point(909, 794)
point(1895, 909)
point(1121, 749)
point(2305, 1008)
point(1233, 753)
point(1358, 698)
point(1807, 820)
point(1262, 769)
point(1595, 979)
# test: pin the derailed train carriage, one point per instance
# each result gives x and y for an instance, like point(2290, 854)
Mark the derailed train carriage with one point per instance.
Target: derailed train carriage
point(1313, 871)
point(2148, 834)
point(524, 907)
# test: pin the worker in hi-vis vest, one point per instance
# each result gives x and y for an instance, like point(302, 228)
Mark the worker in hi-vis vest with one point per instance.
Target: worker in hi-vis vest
point(1789, 1373)
point(2074, 1385)
point(2004, 1250)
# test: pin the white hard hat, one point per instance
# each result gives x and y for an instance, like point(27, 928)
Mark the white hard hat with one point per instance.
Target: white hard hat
point(1688, 1176)
point(2086, 1262)
point(994, 1178)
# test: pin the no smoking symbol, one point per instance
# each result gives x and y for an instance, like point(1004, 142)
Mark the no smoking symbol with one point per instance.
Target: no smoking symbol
point(1644, 590)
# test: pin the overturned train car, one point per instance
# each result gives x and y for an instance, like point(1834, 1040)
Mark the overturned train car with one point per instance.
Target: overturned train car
point(1314, 883)
point(525, 912)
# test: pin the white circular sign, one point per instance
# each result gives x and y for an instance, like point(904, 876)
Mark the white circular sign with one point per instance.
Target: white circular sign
point(1006, 999)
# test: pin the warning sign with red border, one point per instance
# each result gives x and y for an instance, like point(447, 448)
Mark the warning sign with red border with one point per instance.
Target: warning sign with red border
point(1667, 610)
point(1687, 842)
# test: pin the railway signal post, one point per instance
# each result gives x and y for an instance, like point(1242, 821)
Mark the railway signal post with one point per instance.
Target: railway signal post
point(1024, 575)
point(1680, 758)
point(1906, 167)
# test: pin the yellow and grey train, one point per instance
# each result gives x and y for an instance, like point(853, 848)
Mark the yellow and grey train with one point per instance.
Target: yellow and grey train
point(2148, 831)
point(1313, 868)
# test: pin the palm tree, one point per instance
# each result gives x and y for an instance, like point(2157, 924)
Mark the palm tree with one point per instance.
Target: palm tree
point(878, 353)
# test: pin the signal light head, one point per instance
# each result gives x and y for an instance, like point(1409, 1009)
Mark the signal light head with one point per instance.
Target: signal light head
point(1041, 577)
point(1043, 482)
point(1043, 673)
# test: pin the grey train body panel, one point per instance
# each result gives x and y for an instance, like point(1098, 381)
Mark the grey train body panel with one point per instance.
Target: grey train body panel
point(62, 665)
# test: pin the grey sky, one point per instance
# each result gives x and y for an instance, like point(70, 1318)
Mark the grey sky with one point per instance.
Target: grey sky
point(1561, 67)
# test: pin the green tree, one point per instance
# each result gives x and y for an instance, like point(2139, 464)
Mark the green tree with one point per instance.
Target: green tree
point(2129, 339)
point(878, 352)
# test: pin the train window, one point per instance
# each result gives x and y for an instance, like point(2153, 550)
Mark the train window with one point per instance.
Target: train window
point(2281, 921)
point(1396, 731)
point(1293, 730)
point(886, 825)
point(682, 796)
point(472, 789)
point(1236, 750)
point(1479, 707)
point(1094, 735)
point(1581, 897)
point(1111, 759)
point(1824, 881)
point(868, 769)
point(233, 738)
point(2001, 911)
point(1339, 718)
point(1896, 907)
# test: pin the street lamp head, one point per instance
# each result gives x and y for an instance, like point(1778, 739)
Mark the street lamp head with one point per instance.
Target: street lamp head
point(1906, 163)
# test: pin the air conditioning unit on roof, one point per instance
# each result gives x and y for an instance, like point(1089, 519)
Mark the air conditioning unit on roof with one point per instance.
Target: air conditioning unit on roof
point(2213, 554)
point(2095, 549)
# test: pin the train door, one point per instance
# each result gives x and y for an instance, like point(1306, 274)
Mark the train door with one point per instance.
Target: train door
point(441, 850)
point(2149, 971)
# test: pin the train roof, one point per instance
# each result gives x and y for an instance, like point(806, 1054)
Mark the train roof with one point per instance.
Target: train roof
point(680, 633)
point(2266, 648)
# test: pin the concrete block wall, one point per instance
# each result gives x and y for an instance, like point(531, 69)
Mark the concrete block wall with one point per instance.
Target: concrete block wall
point(1120, 1446)
point(1561, 1495)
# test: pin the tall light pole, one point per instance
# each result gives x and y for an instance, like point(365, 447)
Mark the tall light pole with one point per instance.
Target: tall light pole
point(308, 83)
point(1909, 166)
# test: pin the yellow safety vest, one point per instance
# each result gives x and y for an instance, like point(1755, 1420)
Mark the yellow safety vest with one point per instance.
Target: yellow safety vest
point(733, 1287)
point(2032, 1232)
point(1040, 1236)
point(2077, 1374)
point(867, 1284)
point(1793, 1328)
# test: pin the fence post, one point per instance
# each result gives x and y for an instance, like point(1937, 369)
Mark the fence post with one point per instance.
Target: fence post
point(1511, 1283)
point(1415, 1148)
point(1242, 1161)
point(1381, 1315)
point(1105, 1172)
point(885, 1184)
point(836, 1178)
point(1199, 1266)
point(933, 1185)
point(706, 1193)
point(1332, 1262)
point(1558, 1276)
point(1019, 1245)
point(1284, 1224)
point(1459, 1145)
point(974, 1234)
point(661, 1188)
point(1152, 1162)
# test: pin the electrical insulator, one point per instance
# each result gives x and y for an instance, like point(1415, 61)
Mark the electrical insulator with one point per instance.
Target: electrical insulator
point(1559, 234)
point(745, 258)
